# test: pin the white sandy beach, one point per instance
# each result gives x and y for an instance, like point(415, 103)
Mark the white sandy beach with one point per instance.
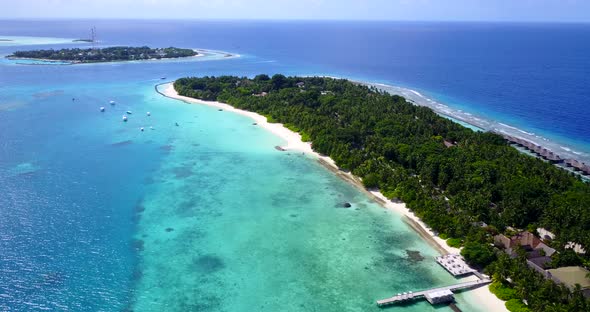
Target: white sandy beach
point(482, 295)
point(293, 139)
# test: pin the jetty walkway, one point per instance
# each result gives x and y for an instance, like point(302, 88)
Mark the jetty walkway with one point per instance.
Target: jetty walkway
point(435, 295)
point(454, 264)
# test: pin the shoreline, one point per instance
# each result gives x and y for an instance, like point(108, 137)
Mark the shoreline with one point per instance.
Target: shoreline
point(482, 295)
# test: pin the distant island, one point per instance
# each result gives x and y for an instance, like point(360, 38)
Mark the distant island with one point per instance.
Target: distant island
point(111, 54)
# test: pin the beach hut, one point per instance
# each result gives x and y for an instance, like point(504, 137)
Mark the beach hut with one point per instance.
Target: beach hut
point(576, 164)
point(554, 158)
point(449, 143)
point(438, 297)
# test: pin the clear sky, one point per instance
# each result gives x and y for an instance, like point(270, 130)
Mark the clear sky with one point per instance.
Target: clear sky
point(454, 10)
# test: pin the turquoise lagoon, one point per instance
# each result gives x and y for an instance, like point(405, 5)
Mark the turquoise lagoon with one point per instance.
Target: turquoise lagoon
point(204, 216)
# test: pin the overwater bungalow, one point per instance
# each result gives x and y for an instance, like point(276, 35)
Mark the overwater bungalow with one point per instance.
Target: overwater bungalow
point(578, 166)
point(553, 158)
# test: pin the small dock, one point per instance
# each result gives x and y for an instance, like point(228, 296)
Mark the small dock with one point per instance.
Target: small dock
point(454, 264)
point(435, 295)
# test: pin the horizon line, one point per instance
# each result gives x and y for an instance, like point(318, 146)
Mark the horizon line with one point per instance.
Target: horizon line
point(293, 20)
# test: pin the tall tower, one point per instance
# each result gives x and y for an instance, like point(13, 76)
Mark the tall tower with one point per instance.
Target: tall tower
point(93, 37)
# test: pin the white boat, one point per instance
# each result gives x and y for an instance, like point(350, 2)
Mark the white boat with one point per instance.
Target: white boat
point(141, 128)
point(149, 114)
point(102, 108)
point(112, 102)
point(124, 118)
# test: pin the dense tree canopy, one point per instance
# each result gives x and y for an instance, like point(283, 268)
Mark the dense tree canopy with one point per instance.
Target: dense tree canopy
point(105, 54)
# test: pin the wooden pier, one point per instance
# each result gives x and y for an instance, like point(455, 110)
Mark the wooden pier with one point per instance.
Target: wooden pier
point(427, 294)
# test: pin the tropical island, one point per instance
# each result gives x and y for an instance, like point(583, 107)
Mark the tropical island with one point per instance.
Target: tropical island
point(517, 218)
point(110, 54)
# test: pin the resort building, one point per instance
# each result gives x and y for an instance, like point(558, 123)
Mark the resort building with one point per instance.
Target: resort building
point(546, 235)
point(538, 253)
point(570, 276)
point(449, 143)
point(526, 240)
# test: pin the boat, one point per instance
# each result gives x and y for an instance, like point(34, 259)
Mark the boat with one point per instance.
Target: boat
point(102, 108)
point(149, 114)
point(162, 78)
point(112, 102)
point(129, 112)
point(124, 118)
point(141, 128)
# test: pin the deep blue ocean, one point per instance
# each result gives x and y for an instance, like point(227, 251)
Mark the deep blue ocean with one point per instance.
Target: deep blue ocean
point(98, 216)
